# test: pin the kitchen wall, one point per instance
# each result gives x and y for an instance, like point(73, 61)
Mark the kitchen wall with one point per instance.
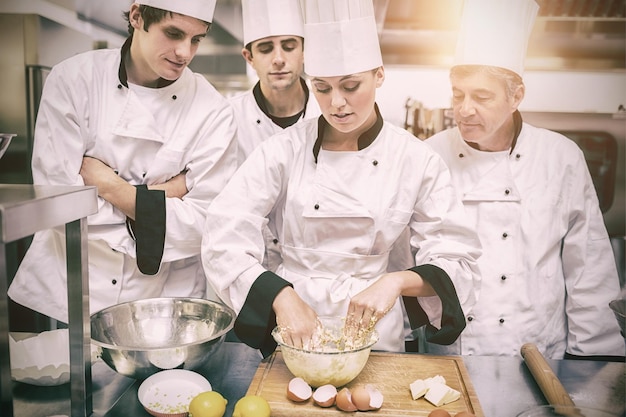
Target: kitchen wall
point(27, 39)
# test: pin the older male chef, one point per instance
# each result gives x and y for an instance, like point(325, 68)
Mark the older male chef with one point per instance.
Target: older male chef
point(159, 143)
point(548, 271)
point(273, 38)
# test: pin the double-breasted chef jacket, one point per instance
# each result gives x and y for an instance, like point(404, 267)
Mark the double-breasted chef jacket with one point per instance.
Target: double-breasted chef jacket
point(337, 215)
point(254, 125)
point(548, 271)
point(148, 135)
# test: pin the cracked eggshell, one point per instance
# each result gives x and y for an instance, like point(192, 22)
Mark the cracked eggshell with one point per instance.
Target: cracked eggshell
point(367, 397)
point(298, 390)
point(344, 400)
point(376, 397)
point(361, 398)
point(325, 395)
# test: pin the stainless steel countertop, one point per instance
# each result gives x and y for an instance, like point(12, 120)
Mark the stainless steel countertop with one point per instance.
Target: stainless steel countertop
point(24, 210)
point(504, 385)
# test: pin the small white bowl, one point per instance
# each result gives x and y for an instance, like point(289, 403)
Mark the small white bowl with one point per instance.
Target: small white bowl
point(168, 393)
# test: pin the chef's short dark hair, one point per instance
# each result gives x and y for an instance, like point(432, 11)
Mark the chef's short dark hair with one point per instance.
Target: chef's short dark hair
point(150, 15)
point(511, 80)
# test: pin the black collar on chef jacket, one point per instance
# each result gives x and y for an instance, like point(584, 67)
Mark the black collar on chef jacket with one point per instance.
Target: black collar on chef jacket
point(121, 72)
point(365, 139)
point(517, 122)
point(283, 122)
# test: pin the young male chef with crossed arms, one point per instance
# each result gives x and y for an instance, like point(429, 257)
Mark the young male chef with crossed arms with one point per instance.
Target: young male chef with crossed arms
point(159, 143)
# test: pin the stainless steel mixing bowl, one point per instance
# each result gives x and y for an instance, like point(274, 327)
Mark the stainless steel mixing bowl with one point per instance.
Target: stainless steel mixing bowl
point(140, 338)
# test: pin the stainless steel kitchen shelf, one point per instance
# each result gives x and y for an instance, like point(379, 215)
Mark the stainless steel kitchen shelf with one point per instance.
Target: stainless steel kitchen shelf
point(24, 210)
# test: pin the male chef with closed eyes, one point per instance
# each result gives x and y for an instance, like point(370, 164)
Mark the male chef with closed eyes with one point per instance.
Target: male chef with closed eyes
point(548, 271)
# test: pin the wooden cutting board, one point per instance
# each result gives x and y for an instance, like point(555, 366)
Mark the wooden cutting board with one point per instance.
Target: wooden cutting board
point(389, 372)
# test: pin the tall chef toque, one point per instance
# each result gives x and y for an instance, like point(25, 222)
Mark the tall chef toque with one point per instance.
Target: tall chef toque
point(341, 37)
point(263, 18)
point(200, 9)
point(495, 33)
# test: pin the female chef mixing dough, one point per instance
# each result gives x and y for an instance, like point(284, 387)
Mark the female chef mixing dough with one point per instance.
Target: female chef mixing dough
point(342, 189)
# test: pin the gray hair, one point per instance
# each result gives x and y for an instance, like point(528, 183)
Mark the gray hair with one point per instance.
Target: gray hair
point(512, 81)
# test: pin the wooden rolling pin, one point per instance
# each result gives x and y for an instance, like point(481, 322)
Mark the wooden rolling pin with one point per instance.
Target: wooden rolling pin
point(545, 377)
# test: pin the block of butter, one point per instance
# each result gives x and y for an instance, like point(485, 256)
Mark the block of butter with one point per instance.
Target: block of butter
point(434, 390)
point(420, 387)
point(439, 394)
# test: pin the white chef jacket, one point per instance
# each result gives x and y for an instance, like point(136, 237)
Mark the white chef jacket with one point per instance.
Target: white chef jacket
point(148, 136)
point(548, 271)
point(253, 127)
point(337, 216)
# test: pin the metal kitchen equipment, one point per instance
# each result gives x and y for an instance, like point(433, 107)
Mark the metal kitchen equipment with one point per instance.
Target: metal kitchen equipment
point(424, 122)
point(5, 141)
point(20, 216)
point(140, 338)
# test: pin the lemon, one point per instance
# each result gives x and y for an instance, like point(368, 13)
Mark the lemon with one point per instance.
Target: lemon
point(208, 404)
point(251, 406)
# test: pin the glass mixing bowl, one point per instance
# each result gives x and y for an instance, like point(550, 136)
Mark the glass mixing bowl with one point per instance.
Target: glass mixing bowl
point(332, 360)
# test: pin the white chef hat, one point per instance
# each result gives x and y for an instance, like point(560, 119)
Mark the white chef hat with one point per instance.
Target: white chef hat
point(341, 37)
point(263, 18)
point(495, 33)
point(200, 9)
